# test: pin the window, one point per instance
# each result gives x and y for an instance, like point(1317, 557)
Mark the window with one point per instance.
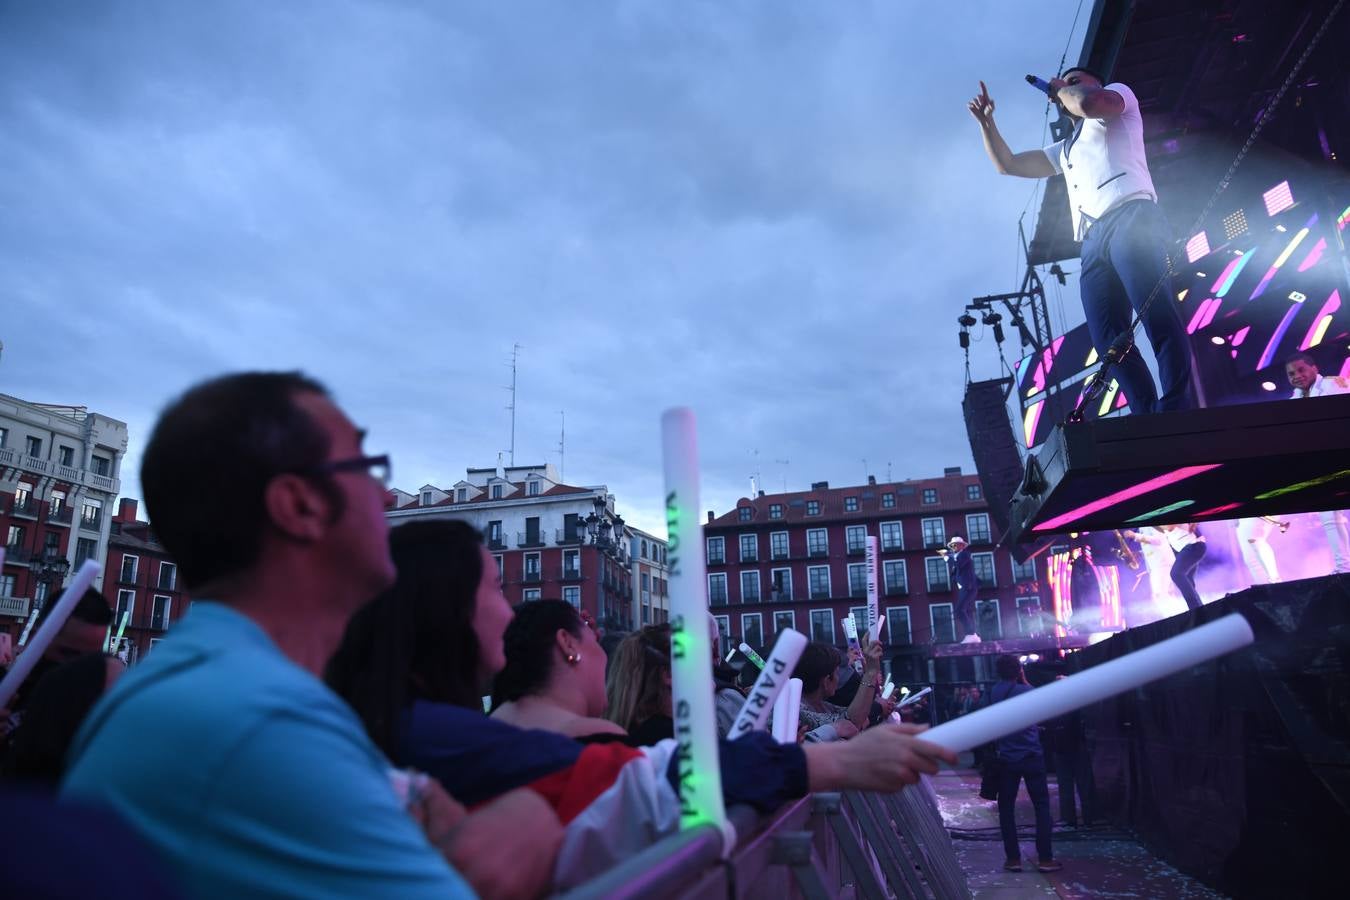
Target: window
point(494, 535)
point(936, 568)
point(752, 629)
point(14, 540)
point(977, 528)
point(749, 548)
point(129, 564)
point(892, 536)
point(717, 589)
point(778, 545)
point(571, 564)
point(857, 580)
point(850, 504)
point(66, 455)
point(775, 510)
point(783, 620)
point(532, 571)
point(23, 494)
point(988, 621)
point(743, 514)
point(644, 549)
point(532, 536)
point(897, 579)
point(822, 625)
point(126, 605)
point(749, 587)
point(717, 553)
point(723, 635)
point(813, 508)
point(973, 492)
point(85, 548)
point(888, 500)
point(984, 569)
point(929, 496)
point(461, 495)
point(91, 514)
point(426, 497)
point(102, 465)
point(1023, 571)
point(940, 618)
point(532, 488)
point(781, 579)
point(1029, 619)
point(51, 543)
point(818, 578)
point(817, 542)
point(897, 625)
point(496, 492)
point(529, 595)
point(855, 537)
point(33, 446)
point(7, 585)
point(572, 595)
point(168, 576)
point(159, 612)
point(4, 437)
point(934, 533)
point(646, 583)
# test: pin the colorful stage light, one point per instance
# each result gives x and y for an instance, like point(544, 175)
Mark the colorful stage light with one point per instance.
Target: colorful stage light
point(1278, 199)
point(1322, 322)
point(1162, 510)
point(1197, 247)
point(1280, 260)
point(1234, 224)
point(1138, 490)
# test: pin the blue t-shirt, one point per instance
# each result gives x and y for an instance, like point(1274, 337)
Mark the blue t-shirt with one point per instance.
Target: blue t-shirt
point(248, 775)
point(1019, 745)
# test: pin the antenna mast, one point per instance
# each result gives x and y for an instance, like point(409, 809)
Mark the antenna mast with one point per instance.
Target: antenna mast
point(562, 447)
point(515, 352)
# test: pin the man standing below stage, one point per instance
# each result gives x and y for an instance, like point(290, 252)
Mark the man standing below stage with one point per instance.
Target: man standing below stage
point(1307, 381)
point(961, 568)
point(1116, 216)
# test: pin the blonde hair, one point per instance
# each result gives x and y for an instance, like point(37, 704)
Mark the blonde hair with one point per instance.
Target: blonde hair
point(635, 685)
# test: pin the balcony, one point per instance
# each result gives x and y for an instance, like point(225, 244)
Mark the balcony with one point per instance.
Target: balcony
point(14, 606)
point(857, 549)
point(820, 594)
point(533, 577)
point(717, 559)
point(818, 552)
point(168, 584)
point(892, 547)
point(752, 556)
point(939, 587)
point(717, 598)
point(27, 507)
point(496, 543)
point(563, 536)
point(897, 590)
point(569, 573)
point(858, 591)
point(17, 554)
point(529, 539)
point(777, 596)
point(778, 554)
point(60, 515)
point(91, 523)
point(934, 543)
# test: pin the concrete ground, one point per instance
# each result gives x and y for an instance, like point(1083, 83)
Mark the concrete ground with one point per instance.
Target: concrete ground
point(1098, 861)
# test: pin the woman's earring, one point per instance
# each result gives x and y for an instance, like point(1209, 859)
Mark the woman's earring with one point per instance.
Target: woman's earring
point(574, 658)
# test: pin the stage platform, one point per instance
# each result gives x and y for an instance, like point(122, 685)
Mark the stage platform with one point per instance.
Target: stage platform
point(1256, 459)
point(1237, 771)
point(1022, 645)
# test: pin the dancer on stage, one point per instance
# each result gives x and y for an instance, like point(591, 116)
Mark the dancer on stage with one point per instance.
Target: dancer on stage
point(1302, 372)
point(1116, 216)
point(1254, 541)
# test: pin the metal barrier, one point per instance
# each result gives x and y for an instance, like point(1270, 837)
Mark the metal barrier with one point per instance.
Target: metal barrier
point(863, 844)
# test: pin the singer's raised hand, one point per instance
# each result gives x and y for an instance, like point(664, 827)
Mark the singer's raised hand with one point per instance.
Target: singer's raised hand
point(982, 107)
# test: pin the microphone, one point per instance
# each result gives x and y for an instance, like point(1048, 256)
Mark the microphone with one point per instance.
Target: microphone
point(1039, 84)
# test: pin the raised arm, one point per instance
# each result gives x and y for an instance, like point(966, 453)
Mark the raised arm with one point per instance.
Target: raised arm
point(1087, 101)
point(1027, 164)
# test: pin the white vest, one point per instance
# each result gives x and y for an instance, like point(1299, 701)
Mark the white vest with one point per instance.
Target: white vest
point(1325, 386)
point(1103, 163)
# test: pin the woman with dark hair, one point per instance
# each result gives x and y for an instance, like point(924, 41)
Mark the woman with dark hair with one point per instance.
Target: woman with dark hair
point(638, 686)
point(818, 669)
point(554, 677)
point(56, 707)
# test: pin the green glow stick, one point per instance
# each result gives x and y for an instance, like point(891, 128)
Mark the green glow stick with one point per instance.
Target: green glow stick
point(698, 768)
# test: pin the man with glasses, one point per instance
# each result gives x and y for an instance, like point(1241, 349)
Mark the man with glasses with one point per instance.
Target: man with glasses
point(224, 748)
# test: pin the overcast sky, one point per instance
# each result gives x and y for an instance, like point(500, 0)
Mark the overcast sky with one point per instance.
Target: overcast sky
point(771, 212)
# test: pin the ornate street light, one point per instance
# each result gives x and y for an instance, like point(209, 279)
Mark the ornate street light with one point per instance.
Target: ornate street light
point(47, 568)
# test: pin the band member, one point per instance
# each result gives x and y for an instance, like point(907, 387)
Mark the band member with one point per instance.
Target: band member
point(1254, 541)
point(1302, 372)
point(961, 568)
point(1116, 216)
point(1188, 544)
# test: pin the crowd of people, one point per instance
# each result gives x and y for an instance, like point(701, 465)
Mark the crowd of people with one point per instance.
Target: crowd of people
point(314, 726)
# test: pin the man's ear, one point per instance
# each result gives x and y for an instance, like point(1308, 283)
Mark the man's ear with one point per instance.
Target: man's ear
point(296, 508)
point(566, 643)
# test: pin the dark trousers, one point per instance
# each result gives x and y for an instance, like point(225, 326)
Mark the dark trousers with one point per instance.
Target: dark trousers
point(1073, 770)
point(1032, 771)
point(965, 607)
point(1124, 255)
point(1183, 572)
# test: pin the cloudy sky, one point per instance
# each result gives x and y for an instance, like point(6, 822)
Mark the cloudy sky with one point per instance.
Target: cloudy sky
point(771, 212)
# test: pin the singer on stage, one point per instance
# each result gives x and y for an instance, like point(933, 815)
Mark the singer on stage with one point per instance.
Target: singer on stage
point(1116, 216)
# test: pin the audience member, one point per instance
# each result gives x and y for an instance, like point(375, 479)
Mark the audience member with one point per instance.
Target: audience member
point(638, 686)
point(818, 669)
point(56, 707)
point(1020, 758)
point(222, 749)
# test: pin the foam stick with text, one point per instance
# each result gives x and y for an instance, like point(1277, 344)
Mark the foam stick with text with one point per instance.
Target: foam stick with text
point(851, 635)
point(873, 612)
point(751, 655)
point(65, 604)
point(691, 679)
point(1091, 685)
point(772, 679)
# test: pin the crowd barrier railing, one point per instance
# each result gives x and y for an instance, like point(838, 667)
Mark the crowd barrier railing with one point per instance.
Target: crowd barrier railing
point(866, 845)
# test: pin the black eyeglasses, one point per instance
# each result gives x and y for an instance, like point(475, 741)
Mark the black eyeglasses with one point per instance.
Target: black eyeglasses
point(377, 466)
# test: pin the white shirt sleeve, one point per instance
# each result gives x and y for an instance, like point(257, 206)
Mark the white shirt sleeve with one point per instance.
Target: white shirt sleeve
point(1053, 153)
point(1131, 101)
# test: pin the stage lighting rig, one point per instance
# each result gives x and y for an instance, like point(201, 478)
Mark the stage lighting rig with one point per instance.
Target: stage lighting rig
point(967, 322)
point(996, 320)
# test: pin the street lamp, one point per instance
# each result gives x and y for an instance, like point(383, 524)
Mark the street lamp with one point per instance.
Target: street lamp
point(47, 568)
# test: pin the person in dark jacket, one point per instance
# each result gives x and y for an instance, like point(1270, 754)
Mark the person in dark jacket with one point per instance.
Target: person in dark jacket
point(1021, 758)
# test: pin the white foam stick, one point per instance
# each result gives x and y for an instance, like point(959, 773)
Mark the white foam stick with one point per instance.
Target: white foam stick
point(32, 619)
point(912, 698)
point(1091, 685)
point(851, 635)
point(751, 655)
point(730, 654)
point(780, 717)
point(888, 690)
point(794, 708)
point(873, 614)
point(65, 604)
point(772, 678)
point(698, 767)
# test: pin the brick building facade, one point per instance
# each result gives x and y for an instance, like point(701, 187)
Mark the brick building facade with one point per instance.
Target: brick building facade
point(142, 581)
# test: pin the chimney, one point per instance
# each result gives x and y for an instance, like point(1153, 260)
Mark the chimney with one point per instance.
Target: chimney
point(951, 471)
point(820, 485)
point(872, 480)
point(711, 515)
point(126, 510)
point(761, 493)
